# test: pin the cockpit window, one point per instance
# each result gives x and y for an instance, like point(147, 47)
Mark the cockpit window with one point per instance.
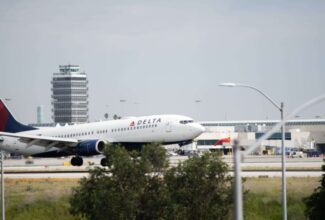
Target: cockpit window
point(186, 121)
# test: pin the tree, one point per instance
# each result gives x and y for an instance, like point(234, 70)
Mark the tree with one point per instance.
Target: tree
point(142, 186)
point(122, 190)
point(200, 188)
point(315, 204)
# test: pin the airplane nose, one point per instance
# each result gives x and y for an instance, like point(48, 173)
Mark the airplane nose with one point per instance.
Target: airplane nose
point(199, 129)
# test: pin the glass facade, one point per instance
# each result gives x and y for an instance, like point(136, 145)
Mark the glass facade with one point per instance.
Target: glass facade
point(207, 142)
point(70, 95)
point(265, 123)
point(275, 136)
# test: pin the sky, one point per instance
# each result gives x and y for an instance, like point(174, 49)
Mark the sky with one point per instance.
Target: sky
point(163, 56)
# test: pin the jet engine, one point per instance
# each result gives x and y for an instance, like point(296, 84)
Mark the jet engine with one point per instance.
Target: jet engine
point(90, 147)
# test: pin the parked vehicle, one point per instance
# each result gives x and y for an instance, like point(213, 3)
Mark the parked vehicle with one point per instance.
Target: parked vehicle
point(312, 153)
point(296, 154)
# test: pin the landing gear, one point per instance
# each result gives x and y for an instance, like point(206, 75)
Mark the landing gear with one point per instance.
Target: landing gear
point(76, 161)
point(103, 162)
point(181, 144)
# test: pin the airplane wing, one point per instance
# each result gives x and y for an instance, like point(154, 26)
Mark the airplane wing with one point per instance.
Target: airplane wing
point(44, 141)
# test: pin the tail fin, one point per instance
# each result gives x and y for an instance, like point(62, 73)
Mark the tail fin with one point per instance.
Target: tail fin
point(8, 123)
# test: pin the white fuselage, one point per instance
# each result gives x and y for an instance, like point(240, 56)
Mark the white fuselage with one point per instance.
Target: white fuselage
point(156, 128)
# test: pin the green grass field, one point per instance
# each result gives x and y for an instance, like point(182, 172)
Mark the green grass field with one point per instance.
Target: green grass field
point(49, 198)
point(28, 199)
point(263, 200)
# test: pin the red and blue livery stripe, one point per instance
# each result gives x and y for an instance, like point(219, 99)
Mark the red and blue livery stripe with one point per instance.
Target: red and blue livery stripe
point(8, 123)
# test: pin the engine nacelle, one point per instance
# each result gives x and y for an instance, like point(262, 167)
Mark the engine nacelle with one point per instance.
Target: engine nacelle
point(90, 147)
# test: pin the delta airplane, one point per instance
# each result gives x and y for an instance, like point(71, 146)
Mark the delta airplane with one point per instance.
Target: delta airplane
point(89, 139)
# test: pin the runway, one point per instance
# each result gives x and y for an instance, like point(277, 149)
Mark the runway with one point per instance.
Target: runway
point(78, 175)
point(248, 161)
point(253, 166)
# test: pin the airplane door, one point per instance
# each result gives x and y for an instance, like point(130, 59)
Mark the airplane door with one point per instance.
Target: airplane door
point(168, 127)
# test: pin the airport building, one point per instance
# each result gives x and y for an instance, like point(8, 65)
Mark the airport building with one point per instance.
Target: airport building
point(40, 114)
point(308, 134)
point(70, 95)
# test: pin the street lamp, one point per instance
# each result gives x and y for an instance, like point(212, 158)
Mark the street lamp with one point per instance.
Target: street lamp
point(281, 109)
point(3, 208)
point(122, 106)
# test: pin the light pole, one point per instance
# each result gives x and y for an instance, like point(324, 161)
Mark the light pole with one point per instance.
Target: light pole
point(122, 101)
point(281, 109)
point(197, 106)
point(238, 182)
point(3, 207)
point(2, 190)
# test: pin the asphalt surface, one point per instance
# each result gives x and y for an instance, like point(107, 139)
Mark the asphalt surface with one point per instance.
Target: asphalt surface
point(73, 175)
point(253, 166)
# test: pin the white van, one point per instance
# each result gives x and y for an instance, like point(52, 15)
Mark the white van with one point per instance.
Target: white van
point(296, 154)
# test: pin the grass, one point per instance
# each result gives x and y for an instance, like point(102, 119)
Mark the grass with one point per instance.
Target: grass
point(263, 200)
point(38, 198)
point(49, 198)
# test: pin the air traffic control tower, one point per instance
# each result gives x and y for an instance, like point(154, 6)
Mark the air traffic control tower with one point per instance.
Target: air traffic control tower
point(70, 95)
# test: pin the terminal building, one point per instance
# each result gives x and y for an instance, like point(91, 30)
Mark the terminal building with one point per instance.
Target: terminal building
point(70, 95)
point(308, 134)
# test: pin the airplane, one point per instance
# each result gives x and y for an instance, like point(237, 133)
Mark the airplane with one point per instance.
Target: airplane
point(89, 139)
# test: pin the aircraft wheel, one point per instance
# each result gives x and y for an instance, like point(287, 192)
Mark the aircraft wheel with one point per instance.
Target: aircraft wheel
point(103, 162)
point(76, 161)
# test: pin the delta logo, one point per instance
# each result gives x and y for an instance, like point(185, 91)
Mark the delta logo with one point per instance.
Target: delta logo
point(146, 122)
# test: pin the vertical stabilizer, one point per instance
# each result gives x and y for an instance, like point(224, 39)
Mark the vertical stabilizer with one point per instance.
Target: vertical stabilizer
point(8, 123)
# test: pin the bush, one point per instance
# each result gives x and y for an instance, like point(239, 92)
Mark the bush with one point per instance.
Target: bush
point(142, 187)
point(316, 202)
point(200, 188)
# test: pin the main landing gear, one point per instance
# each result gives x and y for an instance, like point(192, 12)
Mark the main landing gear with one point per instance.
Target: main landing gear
point(103, 162)
point(76, 161)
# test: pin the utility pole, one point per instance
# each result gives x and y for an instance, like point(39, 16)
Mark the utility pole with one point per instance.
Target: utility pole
point(3, 209)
